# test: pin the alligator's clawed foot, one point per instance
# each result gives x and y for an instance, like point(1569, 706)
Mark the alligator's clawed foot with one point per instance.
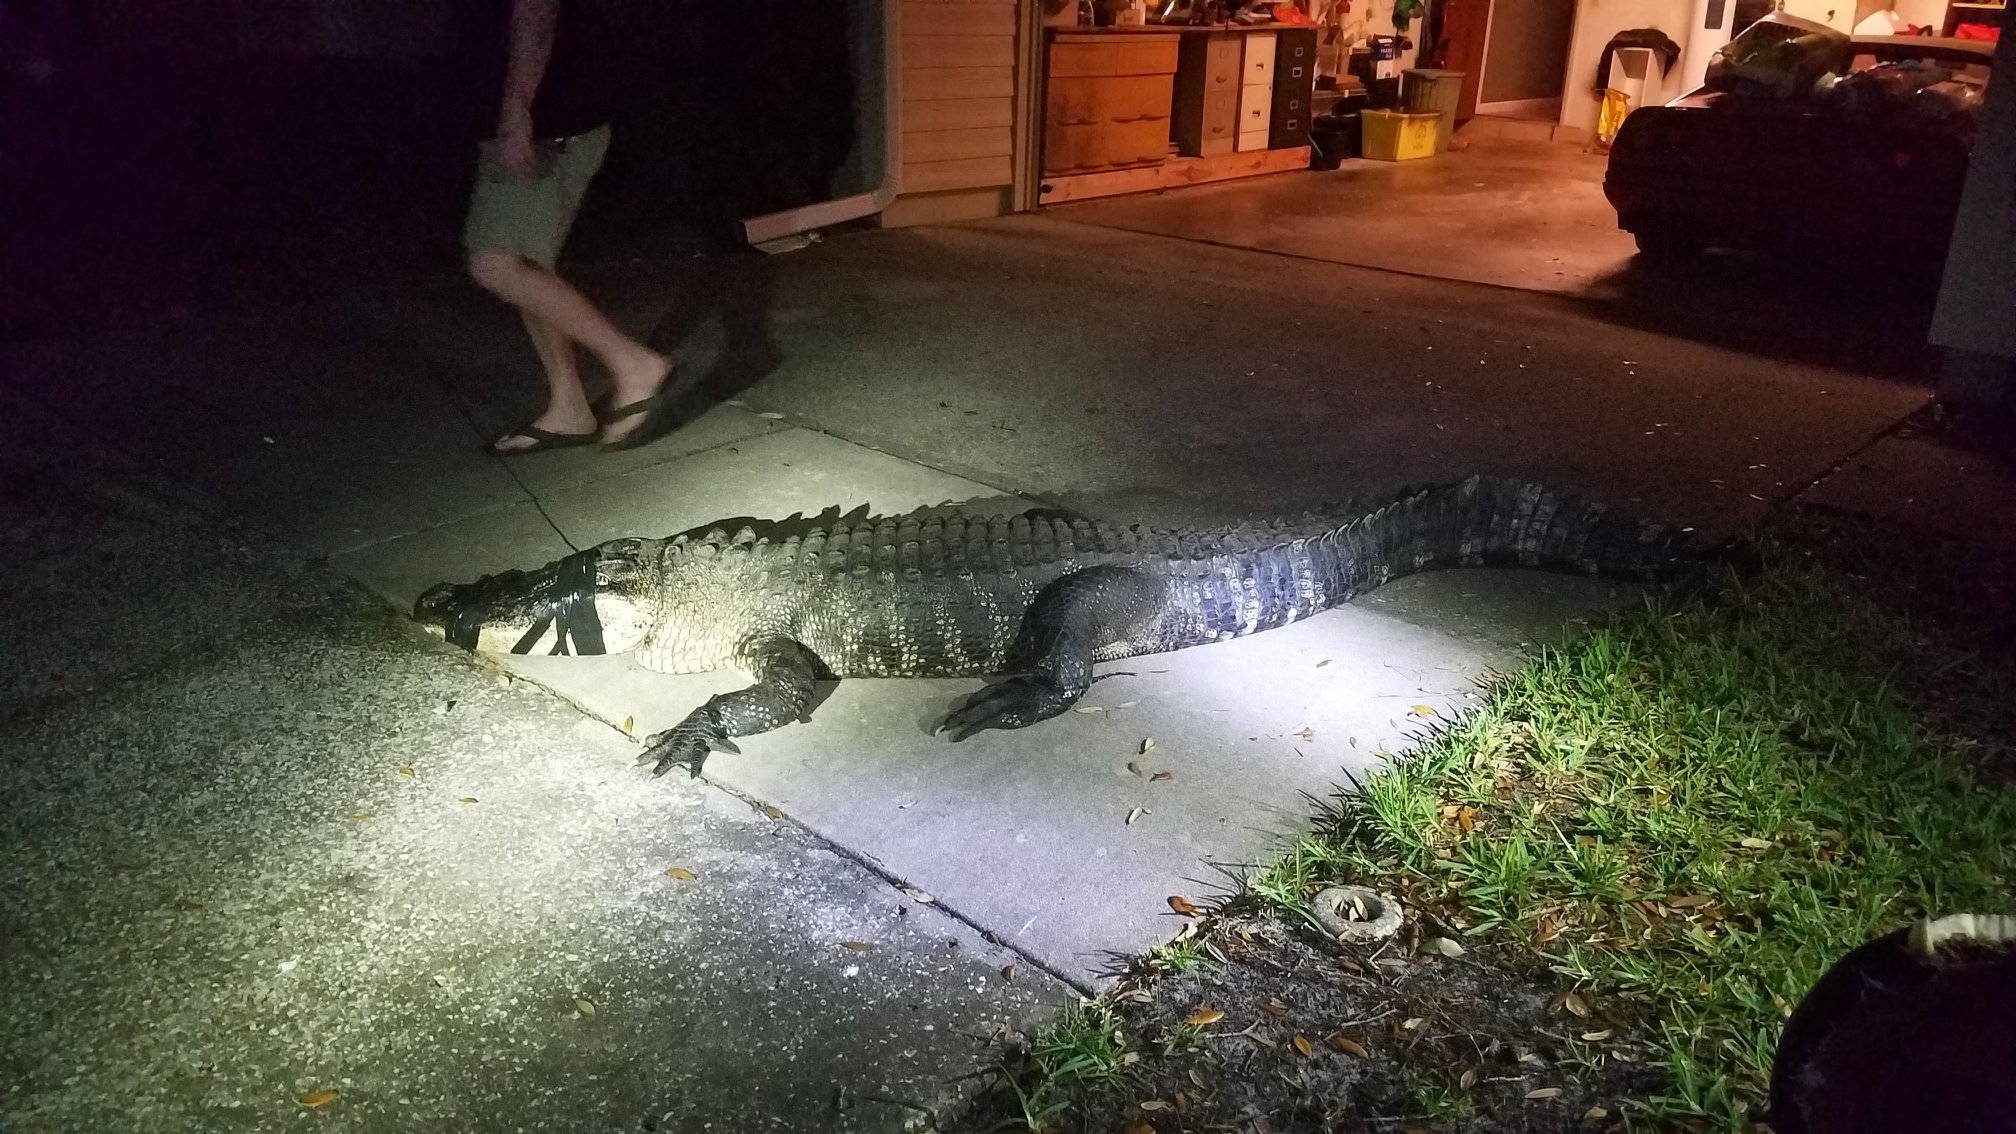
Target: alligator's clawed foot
point(687, 743)
point(1014, 703)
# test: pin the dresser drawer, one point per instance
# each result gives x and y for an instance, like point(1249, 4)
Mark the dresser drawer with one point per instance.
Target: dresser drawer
point(1252, 140)
point(1259, 59)
point(1256, 108)
point(1073, 56)
point(1129, 98)
point(1221, 62)
point(1104, 145)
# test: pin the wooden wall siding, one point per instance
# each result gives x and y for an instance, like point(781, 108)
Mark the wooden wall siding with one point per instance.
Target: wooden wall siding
point(958, 87)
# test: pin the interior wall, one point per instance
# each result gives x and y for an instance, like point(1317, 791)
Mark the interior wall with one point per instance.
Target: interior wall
point(1595, 22)
point(1526, 51)
point(1836, 14)
point(1923, 13)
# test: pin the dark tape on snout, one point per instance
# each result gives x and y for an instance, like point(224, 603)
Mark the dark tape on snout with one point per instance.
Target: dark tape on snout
point(571, 610)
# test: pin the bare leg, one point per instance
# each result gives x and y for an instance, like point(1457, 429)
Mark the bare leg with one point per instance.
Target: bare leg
point(567, 409)
point(551, 304)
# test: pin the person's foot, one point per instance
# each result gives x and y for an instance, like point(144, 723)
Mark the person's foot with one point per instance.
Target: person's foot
point(638, 384)
point(549, 430)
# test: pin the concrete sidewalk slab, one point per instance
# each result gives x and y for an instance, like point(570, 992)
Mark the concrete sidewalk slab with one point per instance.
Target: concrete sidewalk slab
point(1924, 481)
point(769, 475)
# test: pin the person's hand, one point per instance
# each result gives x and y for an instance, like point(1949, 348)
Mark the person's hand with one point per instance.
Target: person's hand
point(515, 148)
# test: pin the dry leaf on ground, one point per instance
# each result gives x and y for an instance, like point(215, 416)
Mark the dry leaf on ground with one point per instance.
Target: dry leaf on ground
point(1348, 1045)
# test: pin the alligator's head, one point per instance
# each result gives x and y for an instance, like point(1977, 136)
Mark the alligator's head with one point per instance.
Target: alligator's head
point(598, 601)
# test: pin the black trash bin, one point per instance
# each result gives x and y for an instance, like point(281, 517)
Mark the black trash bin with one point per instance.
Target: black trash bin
point(1332, 138)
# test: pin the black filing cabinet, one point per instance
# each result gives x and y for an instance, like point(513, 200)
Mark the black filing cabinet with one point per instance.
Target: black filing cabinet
point(1294, 83)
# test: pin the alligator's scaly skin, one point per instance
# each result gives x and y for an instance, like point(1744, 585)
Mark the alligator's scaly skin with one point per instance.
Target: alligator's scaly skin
point(1041, 597)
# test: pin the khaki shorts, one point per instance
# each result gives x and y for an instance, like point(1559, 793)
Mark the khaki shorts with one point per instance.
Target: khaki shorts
point(529, 215)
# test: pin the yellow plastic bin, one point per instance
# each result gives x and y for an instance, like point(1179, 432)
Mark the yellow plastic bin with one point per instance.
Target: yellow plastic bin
point(1393, 136)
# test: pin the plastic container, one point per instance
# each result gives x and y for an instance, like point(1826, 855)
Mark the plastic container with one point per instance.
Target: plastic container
point(1390, 135)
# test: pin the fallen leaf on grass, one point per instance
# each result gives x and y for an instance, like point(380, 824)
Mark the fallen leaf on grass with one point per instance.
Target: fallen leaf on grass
point(467, 799)
point(916, 895)
point(405, 769)
point(1757, 844)
point(629, 725)
point(1153, 1104)
point(585, 1006)
point(1595, 1114)
point(1273, 1007)
point(772, 812)
point(1543, 1093)
point(361, 817)
point(681, 873)
point(1197, 1077)
point(1307, 733)
point(1422, 711)
point(1147, 745)
point(1598, 1037)
point(1349, 1046)
point(1182, 905)
point(1573, 1003)
point(1688, 901)
point(1008, 973)
point(1134, 767)
point(1162, 776)
point(1414, 1024)
point(858, 946)
point(1302, 1045)
point(1136, 814)
point(1467, 1079)
point(1203, 1016)
point(320, 1098)
point(1443, 946)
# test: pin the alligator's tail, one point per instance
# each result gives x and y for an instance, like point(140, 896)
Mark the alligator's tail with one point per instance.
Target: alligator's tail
point(1490, 521)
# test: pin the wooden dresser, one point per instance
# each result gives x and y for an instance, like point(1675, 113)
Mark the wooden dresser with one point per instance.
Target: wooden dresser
point(1108, 101)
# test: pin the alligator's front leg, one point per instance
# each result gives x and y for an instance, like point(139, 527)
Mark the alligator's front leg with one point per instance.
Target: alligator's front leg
point(1069, 620)
point(784, 671)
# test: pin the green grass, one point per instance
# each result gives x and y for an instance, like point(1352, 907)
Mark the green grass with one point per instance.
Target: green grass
point(1697, 808)
point(1185, 954)
point(1083, 1047)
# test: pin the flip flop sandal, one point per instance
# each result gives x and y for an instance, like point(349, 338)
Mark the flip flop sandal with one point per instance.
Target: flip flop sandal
point(542, 440)
point(646, 430)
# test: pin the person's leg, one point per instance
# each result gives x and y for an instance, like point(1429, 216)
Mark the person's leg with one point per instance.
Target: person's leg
point(567, 411)
point(544, 298)
point(514, 233)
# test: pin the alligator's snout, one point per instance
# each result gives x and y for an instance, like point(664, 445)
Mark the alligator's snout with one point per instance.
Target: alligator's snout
point(443, 610)
point(434, 604)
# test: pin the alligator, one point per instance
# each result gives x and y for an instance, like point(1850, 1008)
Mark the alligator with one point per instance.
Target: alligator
point(1031, 601)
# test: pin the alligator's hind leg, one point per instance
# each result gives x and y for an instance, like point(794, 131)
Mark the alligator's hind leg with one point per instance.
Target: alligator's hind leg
point(1069, 620)
point(784, 671)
